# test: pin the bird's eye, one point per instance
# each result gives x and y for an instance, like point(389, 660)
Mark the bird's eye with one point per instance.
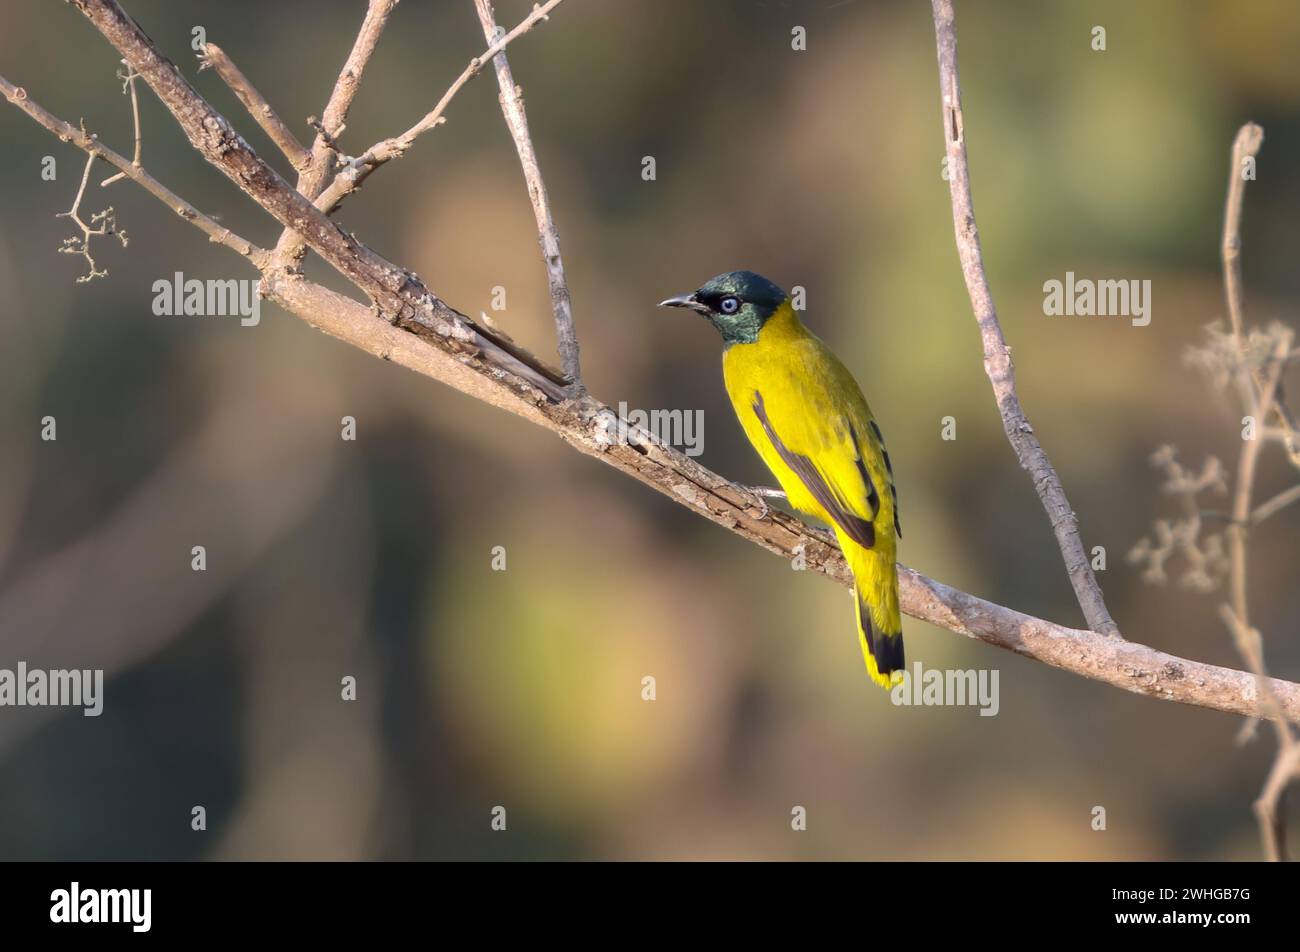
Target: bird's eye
point(729, 305)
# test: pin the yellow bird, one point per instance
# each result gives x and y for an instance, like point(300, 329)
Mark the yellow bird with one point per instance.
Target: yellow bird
point(806, 416)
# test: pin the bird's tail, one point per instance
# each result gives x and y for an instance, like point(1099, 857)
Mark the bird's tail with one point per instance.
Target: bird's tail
point(880, 626)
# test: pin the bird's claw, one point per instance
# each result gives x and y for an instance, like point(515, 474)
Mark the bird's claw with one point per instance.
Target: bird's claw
point(761, 494)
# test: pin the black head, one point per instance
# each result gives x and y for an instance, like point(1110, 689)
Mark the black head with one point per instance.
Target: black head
point(737, 303)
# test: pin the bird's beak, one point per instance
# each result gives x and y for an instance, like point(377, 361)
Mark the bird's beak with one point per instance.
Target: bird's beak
point(685, 300)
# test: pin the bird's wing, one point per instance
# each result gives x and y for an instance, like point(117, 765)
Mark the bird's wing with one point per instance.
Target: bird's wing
point(820, 425)
point(851, 503)
point(881, 454)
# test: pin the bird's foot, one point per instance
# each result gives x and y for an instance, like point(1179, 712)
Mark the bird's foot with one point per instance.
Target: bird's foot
point(762, 494)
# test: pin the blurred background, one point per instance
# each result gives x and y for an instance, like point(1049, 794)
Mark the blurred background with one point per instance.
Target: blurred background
point(522, 688)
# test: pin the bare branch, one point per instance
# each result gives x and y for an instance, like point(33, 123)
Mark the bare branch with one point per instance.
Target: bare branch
point(512, 107)
point(335, 115)
point(1236, 615)
point(1245, 484)
point(359, 169)
point(1275, 505)
point(256, 104)
point(100, 224)
point(1249, 138)
point(289, 249)
point(1128, 665)
point(1124, 664)
point(997, 355)
point(1269, 808)
point(1245, 147)
point(1251, 361)
point(128, 86)
point(89, 143)
point(400, 294)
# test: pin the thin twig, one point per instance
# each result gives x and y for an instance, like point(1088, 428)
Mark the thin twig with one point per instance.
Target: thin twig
point(1264, 390)
point(1246, 145)
point(256, 104)
point(1245, 485)
point(1270, 807)
point(100, 224)
point(1185, 536)
point(1253, 363)
point(997, 355)
point(1237, 617)
point(1275, 505)
point(512, 107)
point(1250, 385)
point(401, 295)
point(356, 171)
point(128, 86)
point(290, 247)
point(217, 233)
point(335, 114)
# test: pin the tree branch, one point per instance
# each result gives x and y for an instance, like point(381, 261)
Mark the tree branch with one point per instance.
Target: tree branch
point(397, 292)
point(90, 143)
point(1123, 664)
point(128, 86)
point(256, 104)
point(289, 249)
point(101, 224)
point(1262, 386)
point(1269, 807)
point(997, 355)
point(1246, 145)
point(1279, 502)
point(1249, 138)
point(512, 107)
point(349, 179)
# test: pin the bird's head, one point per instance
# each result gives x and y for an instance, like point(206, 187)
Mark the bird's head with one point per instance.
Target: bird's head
point(737, 303)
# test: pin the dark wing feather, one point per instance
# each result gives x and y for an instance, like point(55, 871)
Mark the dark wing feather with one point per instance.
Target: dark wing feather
point(889, 468)
point(854, 526)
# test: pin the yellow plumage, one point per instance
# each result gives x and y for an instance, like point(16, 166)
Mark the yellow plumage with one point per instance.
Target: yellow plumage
point(805, 415)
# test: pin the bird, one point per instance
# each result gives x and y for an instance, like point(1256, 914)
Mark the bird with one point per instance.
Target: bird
point(806, 417)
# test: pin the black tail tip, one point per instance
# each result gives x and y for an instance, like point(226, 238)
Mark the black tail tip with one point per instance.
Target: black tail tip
point(889, 653)
point(886, 650)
